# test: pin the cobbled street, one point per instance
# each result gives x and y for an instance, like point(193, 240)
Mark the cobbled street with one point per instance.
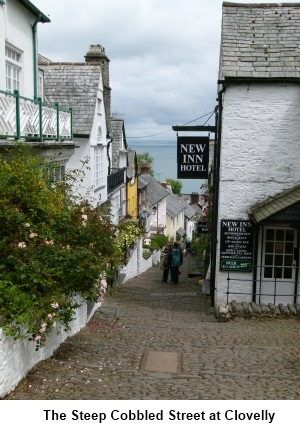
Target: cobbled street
point(255, 358)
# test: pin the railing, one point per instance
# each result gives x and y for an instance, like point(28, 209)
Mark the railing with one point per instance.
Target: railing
point(24, 118)
point(264, 287)
point(114, 180)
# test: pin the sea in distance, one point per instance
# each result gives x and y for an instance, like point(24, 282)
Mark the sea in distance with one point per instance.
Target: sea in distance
point(164, 153)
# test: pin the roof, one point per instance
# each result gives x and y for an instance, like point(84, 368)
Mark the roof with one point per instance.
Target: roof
point(174, 206)
point(276, 204)
point(260, 40)
point(190, 211)
point(118, 144)
point(155, 192)
point(73, 85)
point(35, 11)
point(131, 163)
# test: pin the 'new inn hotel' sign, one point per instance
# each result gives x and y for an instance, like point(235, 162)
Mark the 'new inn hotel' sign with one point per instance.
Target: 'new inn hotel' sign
point(192, 157)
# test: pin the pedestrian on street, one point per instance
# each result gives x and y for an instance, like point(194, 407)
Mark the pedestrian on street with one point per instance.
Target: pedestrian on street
point(177, 260)
point(165, 263)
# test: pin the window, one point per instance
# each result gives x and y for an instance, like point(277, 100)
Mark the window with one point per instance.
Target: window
point(13, 69)
point(99, 166)
point(40, 84)
point(57, 171)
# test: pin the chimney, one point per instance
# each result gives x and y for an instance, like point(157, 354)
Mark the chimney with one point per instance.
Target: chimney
point(164, 184)
point(96, 55)
point(194, 198)
point(145, 169)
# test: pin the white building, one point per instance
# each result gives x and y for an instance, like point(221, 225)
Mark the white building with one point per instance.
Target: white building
point(258, 223)
point(83, 87)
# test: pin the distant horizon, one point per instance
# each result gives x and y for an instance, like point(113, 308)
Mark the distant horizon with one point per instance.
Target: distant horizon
point(164, 154)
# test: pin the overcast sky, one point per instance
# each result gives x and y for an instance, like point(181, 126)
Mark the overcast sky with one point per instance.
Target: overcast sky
point(164, 55)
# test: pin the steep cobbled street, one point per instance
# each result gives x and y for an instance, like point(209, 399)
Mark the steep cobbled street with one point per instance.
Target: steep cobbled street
point(152, 340)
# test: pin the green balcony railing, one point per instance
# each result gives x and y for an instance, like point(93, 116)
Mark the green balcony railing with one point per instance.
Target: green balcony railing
point(24, 118)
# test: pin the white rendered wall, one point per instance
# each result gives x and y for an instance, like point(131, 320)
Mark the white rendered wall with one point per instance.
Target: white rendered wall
point(16, 28)
point(18, 357)
point(260, 157)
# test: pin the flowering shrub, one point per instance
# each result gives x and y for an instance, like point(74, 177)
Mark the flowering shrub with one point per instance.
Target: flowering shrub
point(202, 245)
point(53, 248)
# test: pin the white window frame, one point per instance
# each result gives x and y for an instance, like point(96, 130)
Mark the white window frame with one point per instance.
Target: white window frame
point(40, 85)
point(13, 68)
point(99, 166)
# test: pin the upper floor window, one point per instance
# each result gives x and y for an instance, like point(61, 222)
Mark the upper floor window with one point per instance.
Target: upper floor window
point(40, 84)
point(13, 60)
point(99, 166)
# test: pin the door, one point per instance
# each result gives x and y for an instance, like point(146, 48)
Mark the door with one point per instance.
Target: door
point(278, 271)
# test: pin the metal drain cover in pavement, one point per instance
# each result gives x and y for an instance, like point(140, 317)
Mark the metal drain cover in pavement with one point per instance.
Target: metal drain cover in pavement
point(160, 361)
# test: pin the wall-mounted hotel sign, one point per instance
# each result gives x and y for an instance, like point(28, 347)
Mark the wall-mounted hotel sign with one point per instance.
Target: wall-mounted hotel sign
point(202, 227)
point(192, 157)
point(236, 251)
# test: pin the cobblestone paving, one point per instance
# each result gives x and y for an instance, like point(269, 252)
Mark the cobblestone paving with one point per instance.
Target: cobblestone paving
point(240, 359)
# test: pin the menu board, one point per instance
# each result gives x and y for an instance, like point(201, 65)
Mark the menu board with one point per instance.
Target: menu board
point(236, 251)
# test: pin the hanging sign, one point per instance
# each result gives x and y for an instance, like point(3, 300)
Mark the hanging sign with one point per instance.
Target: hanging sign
point(192, 157)
point(236, 249)
point(202, 227)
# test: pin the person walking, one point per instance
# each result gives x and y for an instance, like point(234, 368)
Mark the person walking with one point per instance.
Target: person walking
point(165, 262)
point(177, 260)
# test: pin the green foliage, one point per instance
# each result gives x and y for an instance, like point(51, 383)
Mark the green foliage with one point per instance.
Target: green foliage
point(202, 244)
point(158, 241)
point(145, 157)
point(175, 184)
point(54, 247)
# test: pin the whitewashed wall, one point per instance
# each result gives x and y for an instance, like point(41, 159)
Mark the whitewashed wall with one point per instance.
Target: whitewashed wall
point(137, 263)
point(260, 157)
point(16, 28)
point(18, 357)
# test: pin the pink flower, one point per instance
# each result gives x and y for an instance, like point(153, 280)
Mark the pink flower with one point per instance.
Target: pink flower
point(103, 283)
point(84, 217)
point(50, 316)
point(37, 338)
point(22, 245)
point(100, 299)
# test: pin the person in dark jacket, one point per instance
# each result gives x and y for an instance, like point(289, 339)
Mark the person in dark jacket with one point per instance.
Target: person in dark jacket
point(177, 260)
point(165, 263)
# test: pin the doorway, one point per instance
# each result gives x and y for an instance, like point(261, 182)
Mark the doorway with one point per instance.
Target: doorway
point(278, 267)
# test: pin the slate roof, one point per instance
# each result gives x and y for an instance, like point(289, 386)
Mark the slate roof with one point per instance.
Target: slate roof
point(131, 163)
point(155, 192)
point(73, 85)
point(119, 142)
point(260, 40)
point(276, 204)
point(174, 206)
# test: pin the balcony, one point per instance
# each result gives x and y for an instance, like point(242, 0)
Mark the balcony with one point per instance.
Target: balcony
point(33, 120)
point(114, 180)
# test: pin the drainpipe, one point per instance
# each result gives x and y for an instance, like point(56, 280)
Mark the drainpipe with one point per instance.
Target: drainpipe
point(216, 180)
point(35, 66)
point(109, 162)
